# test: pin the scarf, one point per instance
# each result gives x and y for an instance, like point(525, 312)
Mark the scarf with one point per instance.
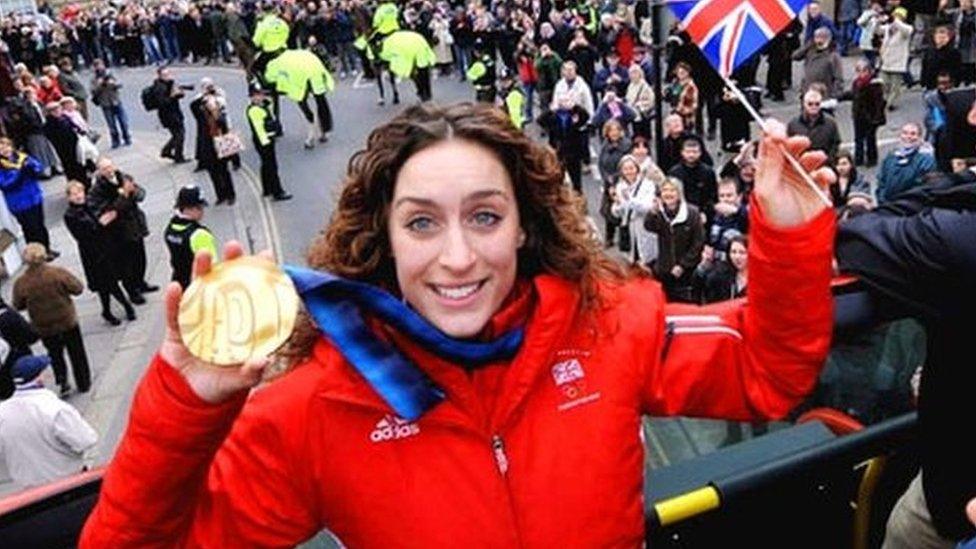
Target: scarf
point(904, 153)
point(337, 304)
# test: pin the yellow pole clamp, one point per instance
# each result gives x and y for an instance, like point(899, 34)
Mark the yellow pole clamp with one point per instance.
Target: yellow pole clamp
point(679, 508)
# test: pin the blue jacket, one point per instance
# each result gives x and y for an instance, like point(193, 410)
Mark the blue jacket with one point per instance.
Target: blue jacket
point(898, 175)
point(814, 24)
point(18, 180)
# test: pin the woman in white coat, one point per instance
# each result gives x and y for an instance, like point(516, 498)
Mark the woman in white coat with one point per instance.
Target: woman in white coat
point(635, 195)
point(895, 43)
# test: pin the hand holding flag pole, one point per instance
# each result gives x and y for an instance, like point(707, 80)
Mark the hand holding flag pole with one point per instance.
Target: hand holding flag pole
point(729, 33)
point(803, 173)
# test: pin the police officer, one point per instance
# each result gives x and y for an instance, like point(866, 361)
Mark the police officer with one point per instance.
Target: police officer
point(185, 236)
point(482, 73)
point(271, 38)
point(265, 129)
point(512, 100)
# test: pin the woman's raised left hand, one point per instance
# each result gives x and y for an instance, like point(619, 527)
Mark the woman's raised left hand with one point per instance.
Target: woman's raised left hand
point(785, 197)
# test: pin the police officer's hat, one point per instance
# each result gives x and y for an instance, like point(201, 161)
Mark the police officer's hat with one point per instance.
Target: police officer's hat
point(255, 88)
point(190, 196)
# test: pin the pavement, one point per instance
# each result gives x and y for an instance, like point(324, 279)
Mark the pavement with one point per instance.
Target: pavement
point(119, 355)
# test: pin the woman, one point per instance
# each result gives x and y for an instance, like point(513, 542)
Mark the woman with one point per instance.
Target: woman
point(468, 221)
point(683, 95)
point(634, 196)
point(728, 278)
point(46, 292)
point(214, 124)
point(640, 96)
point(440, 30)
point(681, 236)
point(615, 145)
point(848, 180)
point(22, 193)
point(95, 246)
point(197, 107)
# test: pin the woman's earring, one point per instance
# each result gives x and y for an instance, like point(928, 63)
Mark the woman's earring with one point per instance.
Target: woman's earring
point(521, 240)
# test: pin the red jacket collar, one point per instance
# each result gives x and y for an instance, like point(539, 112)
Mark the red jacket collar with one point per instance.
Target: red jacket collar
point(547, 306)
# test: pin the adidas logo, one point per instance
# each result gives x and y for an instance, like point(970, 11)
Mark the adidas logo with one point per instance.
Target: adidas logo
point(392, 427)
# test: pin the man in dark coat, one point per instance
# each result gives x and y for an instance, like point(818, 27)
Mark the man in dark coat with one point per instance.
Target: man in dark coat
point(116, 191)
point(944, 57)
point(168, 96)
point(19, 335)
point(917, 256)
point(674, 135)
point(698, 178)
point(816, 125)
point(63, 135)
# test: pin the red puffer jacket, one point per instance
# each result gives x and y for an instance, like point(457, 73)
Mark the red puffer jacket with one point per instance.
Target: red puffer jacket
point(541, 452)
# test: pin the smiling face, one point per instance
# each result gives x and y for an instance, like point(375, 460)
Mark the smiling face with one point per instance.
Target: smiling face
point(454, 233)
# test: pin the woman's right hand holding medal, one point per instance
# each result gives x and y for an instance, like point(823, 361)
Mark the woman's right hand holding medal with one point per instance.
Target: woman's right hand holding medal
point(211, 382)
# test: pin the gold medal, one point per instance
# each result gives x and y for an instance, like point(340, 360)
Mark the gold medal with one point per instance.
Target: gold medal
point(243, 308)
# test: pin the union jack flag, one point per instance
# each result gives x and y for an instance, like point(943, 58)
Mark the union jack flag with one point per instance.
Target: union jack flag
point(730, 31)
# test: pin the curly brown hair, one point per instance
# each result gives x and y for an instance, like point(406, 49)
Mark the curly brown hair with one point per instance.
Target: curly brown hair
point(356, 243)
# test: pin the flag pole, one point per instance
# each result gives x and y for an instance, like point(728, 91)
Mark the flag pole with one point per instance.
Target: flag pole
point(789, 156)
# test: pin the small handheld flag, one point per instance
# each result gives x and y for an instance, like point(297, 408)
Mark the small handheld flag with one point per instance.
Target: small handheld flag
point(729, 32)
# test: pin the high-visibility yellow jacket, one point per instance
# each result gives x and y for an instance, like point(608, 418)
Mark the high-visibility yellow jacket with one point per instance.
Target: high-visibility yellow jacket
point(405, 51)
point(294, 70)
point(271, 33)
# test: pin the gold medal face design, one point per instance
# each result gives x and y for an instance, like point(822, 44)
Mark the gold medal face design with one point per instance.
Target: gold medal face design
point(242, 309)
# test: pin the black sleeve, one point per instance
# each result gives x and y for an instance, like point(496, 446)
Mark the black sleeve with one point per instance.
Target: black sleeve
point(15, 329)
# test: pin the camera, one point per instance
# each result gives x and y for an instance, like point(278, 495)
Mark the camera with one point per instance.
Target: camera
point(186, 87)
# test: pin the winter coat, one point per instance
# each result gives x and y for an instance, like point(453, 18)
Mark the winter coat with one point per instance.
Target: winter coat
point(936, 60)
point(681, 238)
point(45, 291)
point(498, 463)
point(71, 86)
point(604, 113)
point(870, 26)
point(822, 132)
point(567, 131)
point(868, 102)
point(18, 181)
point(896, 41)
point(640, 96)
point(130, 223)
point(700, 184)
point(95, 245)
point(19, 335)
point(548, 70)
point(632, 205)
point(899, 175)
point(105, 90)
point(169, 113)
point(42, 437)
point(821, 65)
point(601, 82)
point(966, 35)
point(816, 23)
point(579, 91)
point(609, 159)
point(672, 150)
